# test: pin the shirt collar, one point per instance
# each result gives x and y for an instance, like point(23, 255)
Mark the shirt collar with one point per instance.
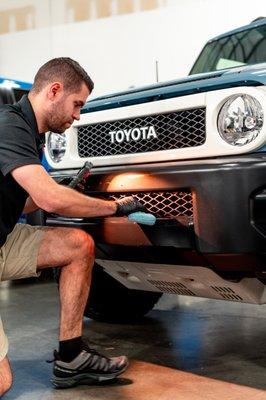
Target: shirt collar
point(28, 112)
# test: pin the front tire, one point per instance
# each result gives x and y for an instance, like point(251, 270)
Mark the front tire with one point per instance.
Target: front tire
point(110, 301)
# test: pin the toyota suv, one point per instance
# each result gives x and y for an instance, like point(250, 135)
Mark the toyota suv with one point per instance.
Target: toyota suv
point(193, 151)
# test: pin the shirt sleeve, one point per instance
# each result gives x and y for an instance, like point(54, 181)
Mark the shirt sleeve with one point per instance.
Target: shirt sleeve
point(17, 147)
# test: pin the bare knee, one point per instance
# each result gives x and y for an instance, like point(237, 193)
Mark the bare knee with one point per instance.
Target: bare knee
point(80, 246)
point(64, 246)
point(81, 243)
point(5, 377)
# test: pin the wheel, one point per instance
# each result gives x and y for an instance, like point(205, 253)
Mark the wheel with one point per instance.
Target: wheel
point(110, 301)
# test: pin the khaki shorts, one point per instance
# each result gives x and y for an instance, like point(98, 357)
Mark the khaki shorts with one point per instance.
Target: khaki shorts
point(18, 259)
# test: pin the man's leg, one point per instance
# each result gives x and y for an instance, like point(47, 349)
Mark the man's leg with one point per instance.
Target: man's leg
point(5, 370)
point(73, 250)
point(5, 376)
point(29, 248)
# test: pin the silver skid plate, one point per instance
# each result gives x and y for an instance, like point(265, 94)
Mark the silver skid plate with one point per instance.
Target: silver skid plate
point(184, 280)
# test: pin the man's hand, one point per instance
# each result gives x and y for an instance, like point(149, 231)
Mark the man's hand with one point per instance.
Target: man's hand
point(128, 205)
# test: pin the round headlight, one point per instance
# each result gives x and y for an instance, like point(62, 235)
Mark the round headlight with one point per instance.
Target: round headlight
point(240, 119)
point(56, 146)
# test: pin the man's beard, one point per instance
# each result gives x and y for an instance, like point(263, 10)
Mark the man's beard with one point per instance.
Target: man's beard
point(54, 118)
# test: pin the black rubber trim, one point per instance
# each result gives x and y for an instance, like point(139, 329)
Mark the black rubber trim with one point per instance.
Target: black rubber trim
point(222, 189)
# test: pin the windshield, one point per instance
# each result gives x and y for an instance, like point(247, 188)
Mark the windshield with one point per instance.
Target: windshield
point(245, 47)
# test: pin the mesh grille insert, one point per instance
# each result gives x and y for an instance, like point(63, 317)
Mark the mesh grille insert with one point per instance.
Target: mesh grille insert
point(169, 131)
point(163, 204)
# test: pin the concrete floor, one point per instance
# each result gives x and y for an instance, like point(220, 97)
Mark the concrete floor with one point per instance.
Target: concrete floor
point(185, 349)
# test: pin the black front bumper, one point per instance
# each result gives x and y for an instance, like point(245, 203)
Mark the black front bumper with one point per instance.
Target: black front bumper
point(228, 204)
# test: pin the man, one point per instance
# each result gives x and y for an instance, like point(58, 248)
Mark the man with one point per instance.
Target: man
point(60, 89)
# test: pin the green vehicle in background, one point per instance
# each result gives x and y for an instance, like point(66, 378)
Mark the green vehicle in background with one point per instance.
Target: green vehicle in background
point(240, 47)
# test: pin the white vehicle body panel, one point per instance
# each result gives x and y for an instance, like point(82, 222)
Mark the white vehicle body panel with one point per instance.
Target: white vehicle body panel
point(214, 145)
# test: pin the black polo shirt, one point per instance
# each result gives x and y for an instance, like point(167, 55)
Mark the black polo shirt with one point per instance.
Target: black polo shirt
point(20, 144)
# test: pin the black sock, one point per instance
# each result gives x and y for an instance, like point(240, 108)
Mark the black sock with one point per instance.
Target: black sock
point(69, 349)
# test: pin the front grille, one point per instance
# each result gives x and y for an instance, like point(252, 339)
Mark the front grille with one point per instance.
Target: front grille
point(163, 204)
point(169, 131)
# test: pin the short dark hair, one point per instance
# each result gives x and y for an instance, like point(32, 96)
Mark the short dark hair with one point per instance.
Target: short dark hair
point(63, 69)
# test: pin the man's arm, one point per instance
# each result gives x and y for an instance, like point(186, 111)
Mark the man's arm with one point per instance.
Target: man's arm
point(52, 197)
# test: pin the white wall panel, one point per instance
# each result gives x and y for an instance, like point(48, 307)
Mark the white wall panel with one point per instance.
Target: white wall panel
point(120, 51)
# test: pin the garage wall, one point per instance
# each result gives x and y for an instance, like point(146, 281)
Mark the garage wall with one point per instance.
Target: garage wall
point(117, 41)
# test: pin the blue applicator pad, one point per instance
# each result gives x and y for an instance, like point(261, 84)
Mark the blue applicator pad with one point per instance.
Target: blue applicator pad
point(142, 218)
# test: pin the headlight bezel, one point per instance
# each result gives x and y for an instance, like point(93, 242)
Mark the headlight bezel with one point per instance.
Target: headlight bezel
point(247, 135)
point(56, 146)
